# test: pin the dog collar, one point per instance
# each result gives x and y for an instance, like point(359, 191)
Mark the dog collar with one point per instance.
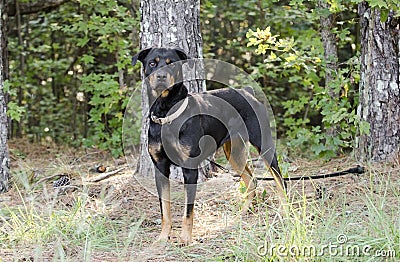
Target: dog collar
point(172, 117)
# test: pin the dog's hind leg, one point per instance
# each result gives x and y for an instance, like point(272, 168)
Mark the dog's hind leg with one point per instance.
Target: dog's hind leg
point(271, 162)
point(238, 161)
point(276, 173)
point(190, 179)
point(162, 172)
point(266, 149)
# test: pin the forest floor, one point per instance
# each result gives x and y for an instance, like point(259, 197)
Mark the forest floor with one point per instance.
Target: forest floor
point(118, 218)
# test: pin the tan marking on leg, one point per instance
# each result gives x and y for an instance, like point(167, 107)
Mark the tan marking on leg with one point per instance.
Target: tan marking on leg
point(188, 215)
point(277, 178)
point(279, 182)
point(187, 229)
point(166, 223)
point(154, 150)
point(227, 149)
point(250, 190)
point(185, 149)
point(238, 161)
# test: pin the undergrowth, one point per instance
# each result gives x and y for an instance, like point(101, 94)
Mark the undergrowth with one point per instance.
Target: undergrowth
point(357, 223)
point(72, 231)
point(351, 218)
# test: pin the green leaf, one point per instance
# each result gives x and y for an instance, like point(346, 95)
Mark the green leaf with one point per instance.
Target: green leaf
point(14, 111)
point(384, 15)
point(83, 41)
point(378, 3)
point(87, 59)
point(365, 128)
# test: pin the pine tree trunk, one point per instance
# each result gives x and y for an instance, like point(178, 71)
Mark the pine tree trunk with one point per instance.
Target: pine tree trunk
point(172, 24)
point(4, 158)
point(379, 87)
point(327, 23)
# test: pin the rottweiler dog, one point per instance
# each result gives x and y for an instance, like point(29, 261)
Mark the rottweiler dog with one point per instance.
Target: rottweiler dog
point(186, 128)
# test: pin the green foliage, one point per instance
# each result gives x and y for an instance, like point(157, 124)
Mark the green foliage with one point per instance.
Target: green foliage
point(107, 103)
point(386, 4)
point(104, 27)
point(14, 111)
point(304, 68)
point(72, 74)
point(264, 40)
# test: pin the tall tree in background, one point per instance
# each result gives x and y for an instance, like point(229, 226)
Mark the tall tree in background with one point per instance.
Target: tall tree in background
point(329, 42)
point(4, 159)
point(172, 24)
point(328, 37)
point(380, 86)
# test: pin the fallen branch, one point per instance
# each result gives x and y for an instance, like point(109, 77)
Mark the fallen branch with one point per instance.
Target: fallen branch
point(105, 175)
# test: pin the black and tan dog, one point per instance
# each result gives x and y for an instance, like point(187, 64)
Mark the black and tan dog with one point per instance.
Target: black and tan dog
point(185, 129)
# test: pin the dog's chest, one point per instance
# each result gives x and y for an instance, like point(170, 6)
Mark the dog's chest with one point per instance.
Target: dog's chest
point(165, 142)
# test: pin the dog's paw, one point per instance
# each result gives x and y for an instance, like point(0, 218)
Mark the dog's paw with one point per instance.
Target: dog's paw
point(184, 243)
point(185, 239)
point(163, 238)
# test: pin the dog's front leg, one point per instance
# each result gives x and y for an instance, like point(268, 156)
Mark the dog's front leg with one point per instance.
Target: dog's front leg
point(190, 178)
point(163, 188)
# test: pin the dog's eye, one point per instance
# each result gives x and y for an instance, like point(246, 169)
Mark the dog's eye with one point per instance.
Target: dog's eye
point(152, 64)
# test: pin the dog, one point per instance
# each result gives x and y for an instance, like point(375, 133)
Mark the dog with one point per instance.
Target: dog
point(186, 128)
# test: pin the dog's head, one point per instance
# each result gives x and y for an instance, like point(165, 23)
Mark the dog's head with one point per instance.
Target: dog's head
point(159, 68)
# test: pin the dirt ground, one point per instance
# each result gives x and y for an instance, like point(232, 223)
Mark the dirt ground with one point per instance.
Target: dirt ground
point(130, 199)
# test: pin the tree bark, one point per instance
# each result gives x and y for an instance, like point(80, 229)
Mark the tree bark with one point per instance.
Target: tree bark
point(172, 24)
point(22, 67)
point(330, 48)
point(4, 157)
point(327, 23)
point(379, 87)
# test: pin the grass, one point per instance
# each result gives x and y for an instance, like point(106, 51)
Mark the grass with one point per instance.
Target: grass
point(72, 232)
point(116, 220)
point(358, 224)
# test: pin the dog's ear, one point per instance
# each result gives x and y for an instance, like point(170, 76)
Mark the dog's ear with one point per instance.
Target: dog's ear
point(182, 55)
point(140, 56)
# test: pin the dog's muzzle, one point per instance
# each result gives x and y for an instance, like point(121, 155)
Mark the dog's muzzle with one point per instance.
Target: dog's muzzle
point(161, 80)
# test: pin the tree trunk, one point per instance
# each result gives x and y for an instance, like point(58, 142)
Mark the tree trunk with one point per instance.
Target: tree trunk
point(21, 72)
point(4, 158)
point(172, 24)
point(327, 23)
point(330, 48)
point(379, 87)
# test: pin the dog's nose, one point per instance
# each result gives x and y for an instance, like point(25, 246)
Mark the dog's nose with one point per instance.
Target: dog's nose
point(162, 76)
